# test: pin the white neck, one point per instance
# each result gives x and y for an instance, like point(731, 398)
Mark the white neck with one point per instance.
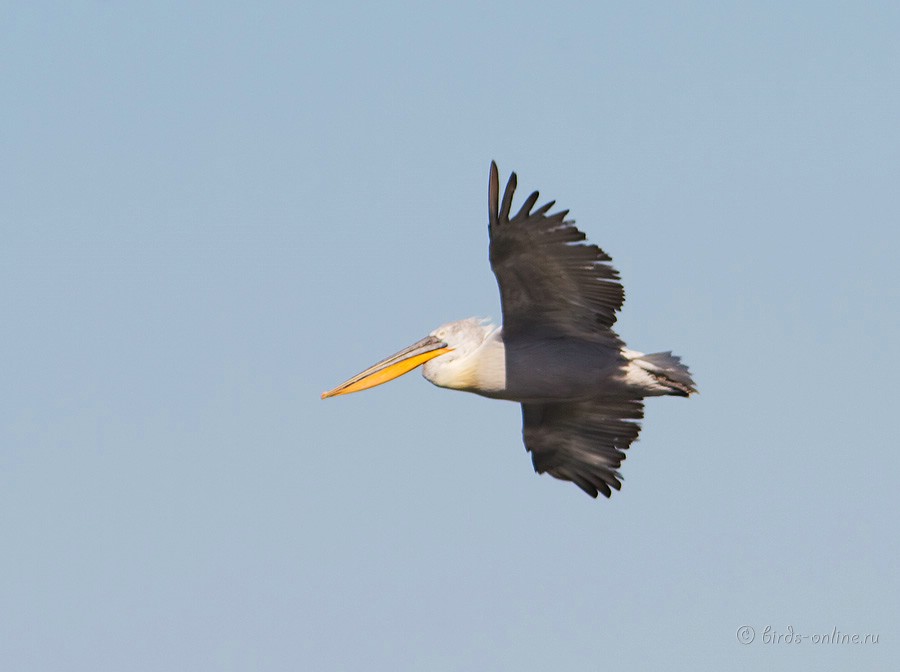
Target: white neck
point(483, 371)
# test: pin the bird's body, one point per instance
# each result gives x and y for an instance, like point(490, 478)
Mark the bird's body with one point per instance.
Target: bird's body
point(525, 369)
point(556, 353)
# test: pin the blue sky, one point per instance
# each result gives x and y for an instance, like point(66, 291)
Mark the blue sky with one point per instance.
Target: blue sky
point(213, 212)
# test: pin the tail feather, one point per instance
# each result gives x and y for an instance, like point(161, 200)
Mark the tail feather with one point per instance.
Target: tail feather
point(665, 371)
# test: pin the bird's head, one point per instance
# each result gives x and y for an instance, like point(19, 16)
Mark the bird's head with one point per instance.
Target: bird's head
point(447, 345)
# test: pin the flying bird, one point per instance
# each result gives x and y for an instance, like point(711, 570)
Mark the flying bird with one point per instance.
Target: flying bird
point(556, 353)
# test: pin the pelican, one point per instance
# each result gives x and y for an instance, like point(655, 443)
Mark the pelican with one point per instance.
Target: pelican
point(556, 353)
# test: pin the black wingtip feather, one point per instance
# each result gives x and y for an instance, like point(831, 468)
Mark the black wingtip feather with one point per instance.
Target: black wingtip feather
point(493, 194)
point(525, 210)
point(507, 198)
point(543, 209)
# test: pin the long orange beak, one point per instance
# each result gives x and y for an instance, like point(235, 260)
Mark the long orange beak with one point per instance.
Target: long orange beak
point(392, 367)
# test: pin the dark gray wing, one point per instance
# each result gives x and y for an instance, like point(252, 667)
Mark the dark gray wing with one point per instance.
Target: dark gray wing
point(582, 442)
point(551, 284)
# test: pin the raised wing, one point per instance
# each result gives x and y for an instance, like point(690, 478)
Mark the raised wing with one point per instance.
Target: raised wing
point(551, 284)
point(582, 442)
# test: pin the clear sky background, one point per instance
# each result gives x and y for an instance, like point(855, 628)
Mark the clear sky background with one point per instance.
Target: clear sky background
point(212, 212)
